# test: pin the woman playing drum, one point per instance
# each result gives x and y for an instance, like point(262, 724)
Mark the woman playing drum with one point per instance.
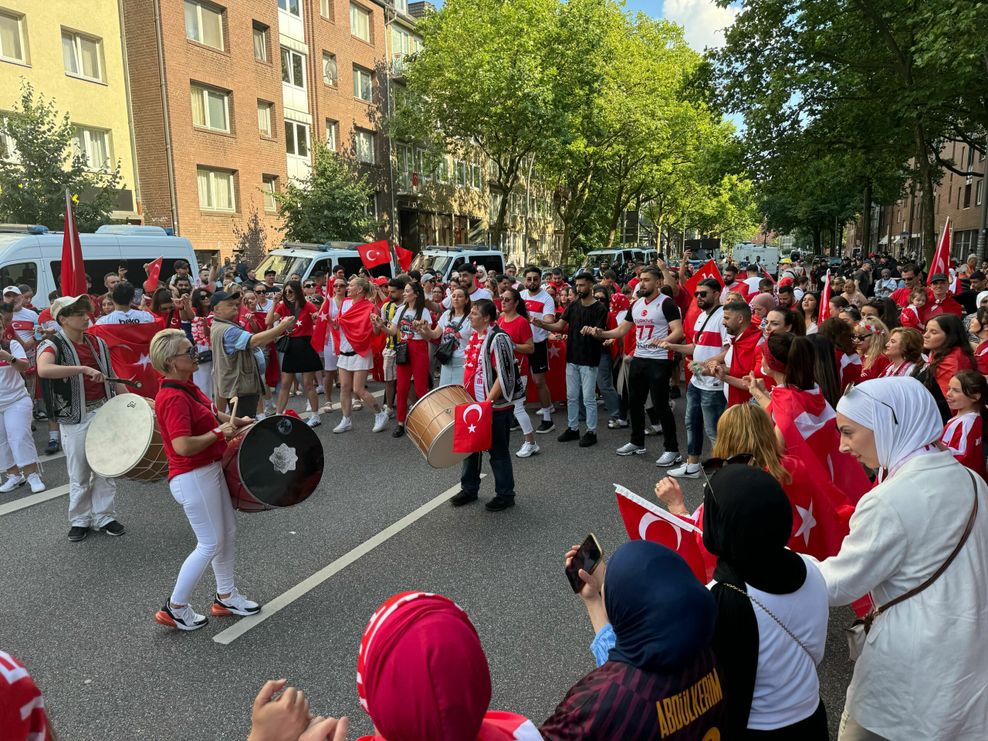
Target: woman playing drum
point(194, 436)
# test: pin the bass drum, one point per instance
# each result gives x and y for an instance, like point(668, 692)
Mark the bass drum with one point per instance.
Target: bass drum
point(274, 463)
point(123, 441)
point(429, 425)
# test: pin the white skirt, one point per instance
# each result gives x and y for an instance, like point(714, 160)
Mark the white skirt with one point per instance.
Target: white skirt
point(355, 362)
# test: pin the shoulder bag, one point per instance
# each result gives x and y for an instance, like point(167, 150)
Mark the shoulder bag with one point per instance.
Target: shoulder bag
point(447, 348)
point(283, 342)
point(401, 346)
point(859, 628)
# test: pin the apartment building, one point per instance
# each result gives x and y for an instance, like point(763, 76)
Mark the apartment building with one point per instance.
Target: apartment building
point(72, 53)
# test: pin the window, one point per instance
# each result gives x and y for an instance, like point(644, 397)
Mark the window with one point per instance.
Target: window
point(371, 209)
point(204, 24)
point(363, 143)
point(332, 135)
point(360, 22)
point(967, 196)
point(402, 6)
point(291, 7)
point(442, 169)
point(330, 75)
point(265, 117)
point(13, 46)
point(269, 184)
point(83, 56)
point(210, 108)
point(980, 192)
point(27, 272)
point(292, 68)
point(363, 84)
point(297, 139)
point(326, 9)
point(476, 179)
point(423, 165)
point(460, 168)
point(94, 145)
point(261, 35)
point(216, 189)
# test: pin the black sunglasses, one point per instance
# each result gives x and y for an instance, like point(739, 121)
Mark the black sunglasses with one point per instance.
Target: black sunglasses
point(309, 285)
point(851, 387)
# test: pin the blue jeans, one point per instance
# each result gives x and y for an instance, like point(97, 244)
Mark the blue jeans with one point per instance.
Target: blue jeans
point(581, 380)
point(703, 410)
point(605, 382)
point(504, 478)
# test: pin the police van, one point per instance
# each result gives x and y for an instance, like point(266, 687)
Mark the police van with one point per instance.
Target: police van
point(33, 255)
point(614, 259)
point(305, 259)
point(443, 260)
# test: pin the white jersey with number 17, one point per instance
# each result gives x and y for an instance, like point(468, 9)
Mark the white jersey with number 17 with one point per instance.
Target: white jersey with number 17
point(651, 319)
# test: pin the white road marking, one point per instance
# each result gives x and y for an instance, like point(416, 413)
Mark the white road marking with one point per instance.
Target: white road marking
point(304, 587)
point(58, 491)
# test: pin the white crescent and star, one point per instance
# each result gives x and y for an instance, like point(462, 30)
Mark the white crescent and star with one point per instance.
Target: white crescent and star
point(472, 407)
point(373, 255)
point(807, 524)
point(647, 519)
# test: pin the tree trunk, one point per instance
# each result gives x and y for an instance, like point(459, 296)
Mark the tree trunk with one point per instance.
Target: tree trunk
point(616, 212)
point(817, 241)
point(866, 219)
point(926, 181)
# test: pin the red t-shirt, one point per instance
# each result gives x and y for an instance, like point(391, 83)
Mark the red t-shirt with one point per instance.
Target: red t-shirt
point(170, 319)
point(303, 324)
point(520, 332)
point(186, 412)
point(94, 391)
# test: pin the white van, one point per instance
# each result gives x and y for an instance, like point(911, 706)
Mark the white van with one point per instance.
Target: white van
point(614, 259)
point(747, 253)
point(33, 255)
point(442, 260)
point(306, 259)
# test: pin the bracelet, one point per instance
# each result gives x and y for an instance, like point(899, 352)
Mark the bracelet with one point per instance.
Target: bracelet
point(219, 433)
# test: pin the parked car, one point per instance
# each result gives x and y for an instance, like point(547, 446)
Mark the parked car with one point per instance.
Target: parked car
point(305, 259)
point(442, 260)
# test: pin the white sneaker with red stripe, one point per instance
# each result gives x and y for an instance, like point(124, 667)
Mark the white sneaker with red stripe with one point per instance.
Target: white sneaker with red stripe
point(182, 618)
point(235, 604)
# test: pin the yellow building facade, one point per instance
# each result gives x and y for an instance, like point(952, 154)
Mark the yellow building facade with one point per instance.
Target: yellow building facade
point(72, 52)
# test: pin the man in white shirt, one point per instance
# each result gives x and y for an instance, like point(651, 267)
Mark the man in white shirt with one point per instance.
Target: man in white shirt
point(122, 297)
point(753, 276)
point(540, 305)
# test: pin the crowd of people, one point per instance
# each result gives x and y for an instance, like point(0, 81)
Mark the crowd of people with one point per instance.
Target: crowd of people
point(875, 401)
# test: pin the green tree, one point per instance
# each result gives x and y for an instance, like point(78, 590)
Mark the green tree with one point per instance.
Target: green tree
point(251, 240)
point(330, 204)
point(32, 189)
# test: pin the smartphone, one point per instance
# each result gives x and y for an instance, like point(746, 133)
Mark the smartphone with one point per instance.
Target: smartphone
point(586, 558)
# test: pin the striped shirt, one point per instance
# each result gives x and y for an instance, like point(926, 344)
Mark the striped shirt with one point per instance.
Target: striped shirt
point(388, 311)
point(709, 338)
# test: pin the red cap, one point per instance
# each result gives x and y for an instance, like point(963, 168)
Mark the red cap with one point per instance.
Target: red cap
point(381, 280)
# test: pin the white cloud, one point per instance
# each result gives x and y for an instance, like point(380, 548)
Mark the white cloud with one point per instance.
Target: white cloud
point(703, 20)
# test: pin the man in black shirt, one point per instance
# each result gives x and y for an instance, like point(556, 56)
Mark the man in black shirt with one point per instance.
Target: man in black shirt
point(582, 358)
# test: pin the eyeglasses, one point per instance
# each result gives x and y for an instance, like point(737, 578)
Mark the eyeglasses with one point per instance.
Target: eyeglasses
point(309, 285)
point(861, 337)
point(192, 353)
point(851, 387)
point(700, 294)
point(261, 290)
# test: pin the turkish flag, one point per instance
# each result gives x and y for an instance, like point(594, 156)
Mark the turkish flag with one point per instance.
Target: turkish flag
point(154, 272)
point(820, 512)
point(707, 270)
point(404, 258)
point(73, 271)
point(941, 258)
point(646, 521)
point(375, 253)
point(823, 310)
point(130, 353)
point(472, 427)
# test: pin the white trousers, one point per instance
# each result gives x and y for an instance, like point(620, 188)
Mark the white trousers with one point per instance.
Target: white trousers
point(90, 496)
point(205, 498)
point(521, 414)
point(16, 442)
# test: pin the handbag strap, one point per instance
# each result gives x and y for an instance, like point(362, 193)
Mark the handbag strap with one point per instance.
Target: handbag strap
point(870, 617)
point(771, 615)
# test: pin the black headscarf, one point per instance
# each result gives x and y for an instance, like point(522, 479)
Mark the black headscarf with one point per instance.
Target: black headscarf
point(747, 521)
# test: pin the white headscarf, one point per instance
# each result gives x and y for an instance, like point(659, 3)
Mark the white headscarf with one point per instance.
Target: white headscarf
point(871, 405)
point(981, 297)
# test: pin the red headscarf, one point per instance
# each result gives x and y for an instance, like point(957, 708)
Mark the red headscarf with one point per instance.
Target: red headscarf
point(422, 673)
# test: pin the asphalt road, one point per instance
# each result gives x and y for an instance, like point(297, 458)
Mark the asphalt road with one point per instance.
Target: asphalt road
point(80, 615)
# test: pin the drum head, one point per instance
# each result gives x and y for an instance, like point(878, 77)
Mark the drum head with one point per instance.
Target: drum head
point(119, 435)
point(280, 461)
point(441, 453)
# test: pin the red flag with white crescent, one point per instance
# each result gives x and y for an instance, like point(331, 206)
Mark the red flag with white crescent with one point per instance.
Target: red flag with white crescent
point(472, 427)
point(404, 258)
point(375, 253)
point(707, 270)
point(73, 272)
point(130, 353)
point(153, 273)
point(823, 310)
point(941, 258)
point(646, 521)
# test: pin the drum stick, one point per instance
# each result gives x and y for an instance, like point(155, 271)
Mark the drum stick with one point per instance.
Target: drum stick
point(126, 382)
point(234, 400)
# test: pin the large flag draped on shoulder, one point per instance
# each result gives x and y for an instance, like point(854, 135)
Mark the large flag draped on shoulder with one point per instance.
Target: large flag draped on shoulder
point(375, 253)
point(646, 521)
point(809, 427)
point(823, 310)
point(707, 270)
point(941, 258)
point(73, 272)
point(130, 353)
point(472, 427)
point(359, 333)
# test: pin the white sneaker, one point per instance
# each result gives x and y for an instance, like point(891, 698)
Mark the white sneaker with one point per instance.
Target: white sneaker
point(313, 421)
point(528, 449)
point(380, 421)
point(669, 459)
point(235, 604)
point(357, 405)
point(652, 430)
point(37, 485)
point(319, 389)
point(260, 416)
point(345, 425)
point(12, 483)
point(631, 449)
point(686, 471)
point(270, 410)
point(308, 406)
point(183, 618)
point(390, 411)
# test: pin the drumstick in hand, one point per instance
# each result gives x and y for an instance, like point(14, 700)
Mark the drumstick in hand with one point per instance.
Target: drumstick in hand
point(234, 400)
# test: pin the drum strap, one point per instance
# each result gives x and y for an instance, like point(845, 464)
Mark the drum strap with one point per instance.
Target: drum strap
point(179, 387)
